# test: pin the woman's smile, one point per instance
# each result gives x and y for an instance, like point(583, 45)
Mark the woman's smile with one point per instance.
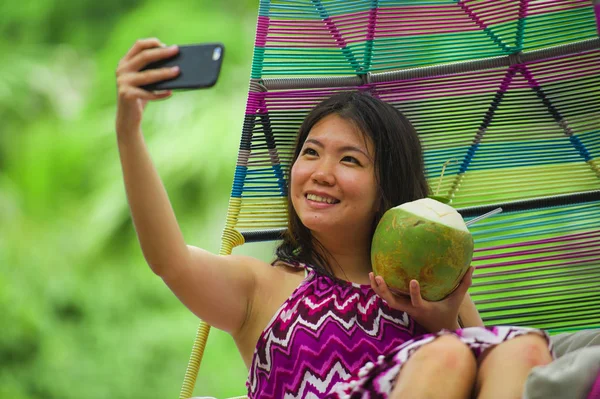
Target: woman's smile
point(321, 201)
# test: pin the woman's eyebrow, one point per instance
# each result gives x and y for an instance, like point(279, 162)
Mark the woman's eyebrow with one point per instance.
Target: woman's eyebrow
point(356, 149)
point(316, 142)
point(342, 149)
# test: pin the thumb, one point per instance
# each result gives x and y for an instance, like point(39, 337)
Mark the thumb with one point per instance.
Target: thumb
point(415, 294)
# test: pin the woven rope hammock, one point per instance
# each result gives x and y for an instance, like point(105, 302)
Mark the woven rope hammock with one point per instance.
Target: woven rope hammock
point(505, 95)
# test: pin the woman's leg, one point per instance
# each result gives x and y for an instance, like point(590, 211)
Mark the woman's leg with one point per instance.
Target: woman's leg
point(504, 368)
point(444, 368)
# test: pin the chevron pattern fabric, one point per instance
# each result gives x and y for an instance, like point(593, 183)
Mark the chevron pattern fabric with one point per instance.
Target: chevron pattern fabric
point(354, 325)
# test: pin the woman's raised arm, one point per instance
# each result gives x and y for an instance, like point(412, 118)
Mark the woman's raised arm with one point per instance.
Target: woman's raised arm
point(218, 289)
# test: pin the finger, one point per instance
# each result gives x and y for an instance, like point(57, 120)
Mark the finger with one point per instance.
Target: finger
point(134, 93)
point(375, 284)
point(396, 301)
point(151, 76)
point(142, 59)
point(372, 281)
point(146, 57)
point(161, 94)
point(415, 294)
point(141, 45)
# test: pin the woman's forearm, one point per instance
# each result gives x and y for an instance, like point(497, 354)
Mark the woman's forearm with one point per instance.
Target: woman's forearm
point(468, 314)
point(157, 229)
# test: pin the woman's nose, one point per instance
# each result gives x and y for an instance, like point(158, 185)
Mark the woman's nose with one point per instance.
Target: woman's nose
point(323, 174)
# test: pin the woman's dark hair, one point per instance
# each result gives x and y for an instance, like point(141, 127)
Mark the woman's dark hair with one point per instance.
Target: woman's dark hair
point(399, 167)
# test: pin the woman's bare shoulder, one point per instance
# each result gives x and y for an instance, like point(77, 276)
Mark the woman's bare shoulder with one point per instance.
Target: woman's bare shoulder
point(270, 276)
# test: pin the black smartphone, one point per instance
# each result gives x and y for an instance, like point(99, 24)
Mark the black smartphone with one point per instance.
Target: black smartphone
point(199, 67)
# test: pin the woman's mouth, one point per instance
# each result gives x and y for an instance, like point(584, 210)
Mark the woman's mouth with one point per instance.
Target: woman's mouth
point(321, 199)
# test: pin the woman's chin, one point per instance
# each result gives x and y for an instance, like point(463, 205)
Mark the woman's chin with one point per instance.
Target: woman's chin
point(321, 227)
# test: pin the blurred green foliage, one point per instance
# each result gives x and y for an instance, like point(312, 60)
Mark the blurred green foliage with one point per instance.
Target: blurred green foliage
point(81, 314)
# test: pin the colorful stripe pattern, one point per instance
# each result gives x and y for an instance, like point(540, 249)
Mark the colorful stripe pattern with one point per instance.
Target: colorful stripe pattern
point(539, 267)
point(505, 98)
point(324, 37)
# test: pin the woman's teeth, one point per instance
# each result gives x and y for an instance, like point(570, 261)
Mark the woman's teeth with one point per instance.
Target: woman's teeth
point(318, 198)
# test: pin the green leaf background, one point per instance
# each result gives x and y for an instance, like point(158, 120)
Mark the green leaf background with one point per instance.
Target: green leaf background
point(81, 314)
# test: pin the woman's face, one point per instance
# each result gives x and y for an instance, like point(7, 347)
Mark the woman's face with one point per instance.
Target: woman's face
point(334, 189)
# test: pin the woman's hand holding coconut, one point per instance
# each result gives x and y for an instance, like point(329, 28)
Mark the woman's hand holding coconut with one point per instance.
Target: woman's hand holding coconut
point(421, 255)
point(433, 315)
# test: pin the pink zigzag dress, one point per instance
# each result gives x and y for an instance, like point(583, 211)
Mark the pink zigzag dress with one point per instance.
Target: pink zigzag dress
point(334, 339)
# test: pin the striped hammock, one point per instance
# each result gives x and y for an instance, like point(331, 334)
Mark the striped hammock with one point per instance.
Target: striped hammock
point(505, 95)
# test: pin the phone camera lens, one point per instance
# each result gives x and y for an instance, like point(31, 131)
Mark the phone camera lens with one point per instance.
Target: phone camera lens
point(216, 53)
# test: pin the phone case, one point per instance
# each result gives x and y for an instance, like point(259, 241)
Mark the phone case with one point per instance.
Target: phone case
point(199, 67)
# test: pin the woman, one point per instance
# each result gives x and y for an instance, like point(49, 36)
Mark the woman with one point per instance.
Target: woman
point(317, 323)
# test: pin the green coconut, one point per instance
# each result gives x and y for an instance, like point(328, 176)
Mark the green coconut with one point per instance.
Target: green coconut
point(424, 240)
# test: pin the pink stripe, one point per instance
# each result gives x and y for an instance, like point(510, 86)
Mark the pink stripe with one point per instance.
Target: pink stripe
point(524, 9)
point(255, 103)
point(300, 93)
point(494, 11)
point(287, 39)
point(597, 12)
point(419, 10)
point(297, 23)
point(571, 76)
point(403, 11)
point(592, 53)
point(569, 237)
point(564, 264)
point(387, 14)
point(488, 84)
point(409, 11)
point(480, 1)
point(372, 24)
point(262, 29)
point(472, 15)
point(432, 23)
point(595, 253)
point(549, 5)
point(294, 31)
point(335, 32)
point(530, 79)
point(306, 44)
point(409, 34)
point(567, 65)
point(534, 251)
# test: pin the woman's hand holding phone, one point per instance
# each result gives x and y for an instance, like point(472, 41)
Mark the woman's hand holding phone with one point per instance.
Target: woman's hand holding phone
point(130, 76)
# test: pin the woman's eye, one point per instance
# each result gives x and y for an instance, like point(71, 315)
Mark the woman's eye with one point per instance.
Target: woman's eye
point(309, 151)
point(350, 159)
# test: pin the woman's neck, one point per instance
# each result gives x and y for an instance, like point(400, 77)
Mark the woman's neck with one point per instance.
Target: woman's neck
point(350, 261)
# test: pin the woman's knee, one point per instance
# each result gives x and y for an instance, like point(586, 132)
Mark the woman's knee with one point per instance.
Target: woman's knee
point(532, 349)
point(529, 350)
point(448, 352)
